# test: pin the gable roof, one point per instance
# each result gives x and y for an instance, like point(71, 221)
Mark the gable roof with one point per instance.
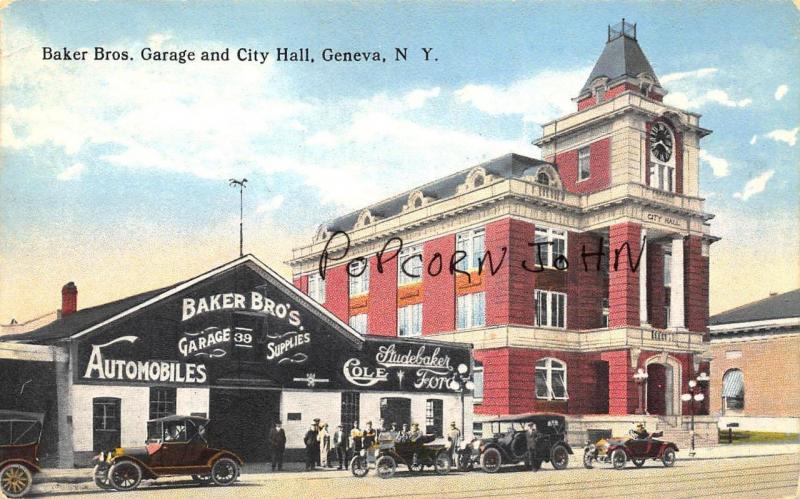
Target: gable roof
point(90, 319)
point(782, 306)
point(622, 57)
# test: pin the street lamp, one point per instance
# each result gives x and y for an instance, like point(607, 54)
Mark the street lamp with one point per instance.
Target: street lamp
point(695, 394)
point(640, 377)
point(462, 382)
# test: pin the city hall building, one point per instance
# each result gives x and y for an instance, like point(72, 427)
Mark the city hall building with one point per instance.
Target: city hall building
point(238, 344)
point(568, 274)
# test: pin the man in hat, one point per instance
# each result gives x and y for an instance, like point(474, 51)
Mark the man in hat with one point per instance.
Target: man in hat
point(317, 427)
point(277, 440)
point(641, 432)
point(415, 433)
point(454, 437)
point(532, 436)
point(370, 435)
point(312, 450)
point(403, 435)
point(340, 446)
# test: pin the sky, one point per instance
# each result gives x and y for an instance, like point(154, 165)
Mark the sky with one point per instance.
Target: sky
point(115, 173)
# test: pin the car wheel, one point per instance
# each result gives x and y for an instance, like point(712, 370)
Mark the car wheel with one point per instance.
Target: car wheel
point(442, 464)
point(385, 466)
point(668, 458)
point(559, 457)
point(100, 475)
point(359, 467)
point(638, 462)
point(464, 462)
point(202, 479)
point(15, 480)
point(588, 457)
point(125, 475)
point(225, 471)
point(618, 459)
point(491, 460)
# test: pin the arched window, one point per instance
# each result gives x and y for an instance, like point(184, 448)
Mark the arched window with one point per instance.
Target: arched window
point(733, 390)
point(543, 178)
point(477, 182)
point(418, 203)
point(551, 379)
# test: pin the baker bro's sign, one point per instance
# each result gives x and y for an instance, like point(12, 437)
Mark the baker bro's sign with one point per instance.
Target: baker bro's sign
point(261, 336)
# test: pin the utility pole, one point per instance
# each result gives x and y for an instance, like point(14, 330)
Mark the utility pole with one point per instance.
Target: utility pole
point(241, 183)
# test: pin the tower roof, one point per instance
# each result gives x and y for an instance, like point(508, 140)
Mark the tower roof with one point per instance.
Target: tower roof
point(622, 57)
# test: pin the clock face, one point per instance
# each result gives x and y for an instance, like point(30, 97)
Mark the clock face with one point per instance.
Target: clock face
point(661, 141)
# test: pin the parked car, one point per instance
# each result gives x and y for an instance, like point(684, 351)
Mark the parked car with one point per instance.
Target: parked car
point(509, 443)
point(618, 451)
point(175, 445)
point(20, 433)
point(415, 455)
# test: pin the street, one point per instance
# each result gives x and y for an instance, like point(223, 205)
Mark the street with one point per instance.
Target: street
point(770, 476)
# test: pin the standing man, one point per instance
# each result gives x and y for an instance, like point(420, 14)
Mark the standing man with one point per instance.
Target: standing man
point(312, 452)
point(532, 436)
point(277, 439)
point(356, 437)
point(370, 436)
point(316, 435)
point(340, 446)
point(324, 439)
point(454, 437)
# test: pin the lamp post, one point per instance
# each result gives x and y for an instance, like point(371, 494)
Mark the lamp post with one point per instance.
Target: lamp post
point(640, 377)
point(241, 184)
point(462, 382)
point(695, 394)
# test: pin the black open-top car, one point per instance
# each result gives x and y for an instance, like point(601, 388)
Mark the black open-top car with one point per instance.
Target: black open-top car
point(176, 445)
point(509, 443)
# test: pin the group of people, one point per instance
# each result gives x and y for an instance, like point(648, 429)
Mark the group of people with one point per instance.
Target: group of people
point(322, 446)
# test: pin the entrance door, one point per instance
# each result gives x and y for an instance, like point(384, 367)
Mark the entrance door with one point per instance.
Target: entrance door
point(657, 380)
point(600, 396)
point(242, 419)
point(395, 410)
point(105, 423)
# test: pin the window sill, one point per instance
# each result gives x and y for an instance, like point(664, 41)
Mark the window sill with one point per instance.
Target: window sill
point(545, 399)
point(582, 180)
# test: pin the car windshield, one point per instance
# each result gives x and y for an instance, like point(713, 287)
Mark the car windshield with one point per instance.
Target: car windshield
point(19, 432)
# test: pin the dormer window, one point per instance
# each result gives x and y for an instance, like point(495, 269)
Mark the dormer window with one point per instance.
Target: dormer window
point(477, 182)
point(418, 203)
point(543, 178)
point(476, 179)
point(366, 220)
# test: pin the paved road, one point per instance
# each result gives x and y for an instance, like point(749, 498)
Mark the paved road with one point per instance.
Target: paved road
point(763, 477)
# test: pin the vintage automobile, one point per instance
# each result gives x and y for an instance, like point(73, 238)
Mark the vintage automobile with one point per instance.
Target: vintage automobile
point(509, 443)
point(415, 455)
point(175, 445)
point(20, 433)
point(618, 451)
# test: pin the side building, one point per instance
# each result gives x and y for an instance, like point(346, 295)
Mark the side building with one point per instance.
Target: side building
point(756, 352)
point(238, 344)
point(568, 274)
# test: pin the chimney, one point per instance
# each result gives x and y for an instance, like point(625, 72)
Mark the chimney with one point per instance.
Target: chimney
point(69, 299)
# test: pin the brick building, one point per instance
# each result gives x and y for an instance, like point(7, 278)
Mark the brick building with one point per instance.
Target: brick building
point(503, 255)
point(743, 341)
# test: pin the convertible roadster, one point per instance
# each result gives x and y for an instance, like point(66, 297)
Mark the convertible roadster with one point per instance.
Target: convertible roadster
point(20, 433)
point(176, 445)
point(415, 455)
point(618, 451)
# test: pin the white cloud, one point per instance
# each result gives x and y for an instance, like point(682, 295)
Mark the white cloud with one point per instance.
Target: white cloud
point(754, 186)
point(417, 98)
point(781, 91)
point(787, 136)
point(540, 98)
point(719, 166)
point(694, 89)
point(753, 139)
point(71, 172)
point(323, 139)
point(271, 204)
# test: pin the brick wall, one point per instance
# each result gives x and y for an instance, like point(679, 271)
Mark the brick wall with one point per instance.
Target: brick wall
point(301, 283)
point(656, 292)
point(496, 388)
point(382, 301)
point(337, 292)
point(623, 287)
point(622, 391)
point(599, 168)
point(696, 284)
point(586, 289)
point(439, 310)
point(510, 292)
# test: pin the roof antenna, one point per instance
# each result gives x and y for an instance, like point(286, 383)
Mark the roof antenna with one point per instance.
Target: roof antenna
point(241, 183)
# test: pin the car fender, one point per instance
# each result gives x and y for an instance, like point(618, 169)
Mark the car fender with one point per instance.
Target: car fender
point(503, 454)
point(225, 453)
point(666, 446)
point(147, 471)
point(31, 466)
point(611, 448)
point(569, 448)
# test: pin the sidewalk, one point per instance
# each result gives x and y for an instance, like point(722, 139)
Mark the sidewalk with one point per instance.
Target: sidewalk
point(264, 470)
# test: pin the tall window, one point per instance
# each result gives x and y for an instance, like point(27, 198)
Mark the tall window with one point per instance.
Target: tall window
point(667, 269)
point(662, 177)
point(553, 244)
point(350, 408)
point(162, 401)
point(470, 242)
point(106, 413)
point(551, 309)
point(359, 277)
point(733, 390)
point(359, 323)
point(316, 288)
point(583, 163)
point(409, 320)
point(434, 417)
point(477, 379)
point(604, 321)
point(551, 379)
point(471, 310)
point(409, 268)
